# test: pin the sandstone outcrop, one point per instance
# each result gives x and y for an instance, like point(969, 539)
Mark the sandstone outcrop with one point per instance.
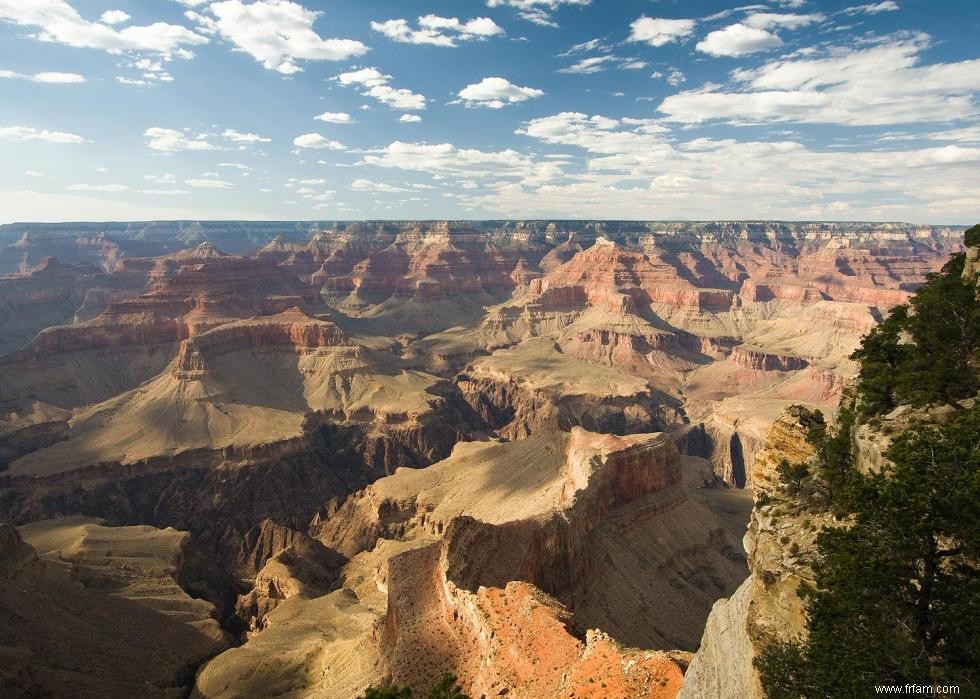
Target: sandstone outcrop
point(766, 607)
point(444, 577)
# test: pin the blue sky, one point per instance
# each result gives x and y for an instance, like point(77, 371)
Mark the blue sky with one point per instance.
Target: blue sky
point(346, 109)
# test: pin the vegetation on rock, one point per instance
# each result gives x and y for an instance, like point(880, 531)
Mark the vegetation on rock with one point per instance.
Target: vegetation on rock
point(446, 688)
point(897, 592)
point(926, 352)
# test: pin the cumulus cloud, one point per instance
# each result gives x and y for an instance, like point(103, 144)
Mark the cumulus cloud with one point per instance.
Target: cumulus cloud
point(376, 84)
point(495, 93)
point(29, 133)
point(150, 71)
point(59, 22)
point(738, 40)
point(537, 11)
point(658, 32)
point(335, 118)
point(634, 169)
point(447, 159)
point(364, 185)
point(173, 141)
point(883, 84)
point(114, 17)
point(438, 31)
point(277, 33)
point(243, 137)
point(597, 134)
point(409, 118)
point(45, 77)
point(318, 141)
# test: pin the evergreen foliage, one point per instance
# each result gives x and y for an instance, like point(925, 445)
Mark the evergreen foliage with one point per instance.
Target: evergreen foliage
point(972, 236)
point(926, 352)
point(897, 591)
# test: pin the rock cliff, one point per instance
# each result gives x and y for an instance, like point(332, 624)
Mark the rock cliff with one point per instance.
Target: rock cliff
point(766, 607)
point(457, 580)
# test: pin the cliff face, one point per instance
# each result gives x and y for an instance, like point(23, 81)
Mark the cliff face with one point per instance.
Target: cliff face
point(766, 607)
point(501, 589)
point(971, 269)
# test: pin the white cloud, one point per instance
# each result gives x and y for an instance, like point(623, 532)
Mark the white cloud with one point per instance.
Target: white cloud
point(235, 166)
point(114, 17)
point(738, 40)
point(597, 134)
point(495, 93)
point(658, 32)
point(173, 141)
point(882, 84)
point(770, 20)
point(315, 140)
point(29, 133)
point(363, 185)
point(97, 188)
point(585, 47)
point(60, 22)
point(871, 8)
point(376, 85)
point(242, 137)
point(278, 33)
point(46, 77)
point(161, 179)
point(438, 31)
point(150, 71)
point(209, 184)
point(445, 159)
point(640, 173)
point(335, 118)
point(536, 11)
point(163, 192)
point(205, 25)
point(409, 118)
point(33, 173)
point(592, 64)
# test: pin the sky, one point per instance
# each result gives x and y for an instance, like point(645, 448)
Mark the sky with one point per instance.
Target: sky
point(488, 109)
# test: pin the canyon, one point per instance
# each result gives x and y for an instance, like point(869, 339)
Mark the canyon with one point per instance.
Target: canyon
point(305, 458)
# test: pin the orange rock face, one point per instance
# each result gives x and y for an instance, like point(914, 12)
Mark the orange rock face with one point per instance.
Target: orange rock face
point(532, 654)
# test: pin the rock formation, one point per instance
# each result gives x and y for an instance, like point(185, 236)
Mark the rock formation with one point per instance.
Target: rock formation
point(460, 566)
point(766, 607)
point(94, 611)
point(463, 437)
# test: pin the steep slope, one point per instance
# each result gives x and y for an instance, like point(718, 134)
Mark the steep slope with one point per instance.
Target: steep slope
point(299, 366)
point(457, 567)
point(101, 618)
point(766, 606)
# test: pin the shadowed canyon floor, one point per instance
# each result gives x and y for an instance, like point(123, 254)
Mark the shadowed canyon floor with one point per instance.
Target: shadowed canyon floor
point(300, 460)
